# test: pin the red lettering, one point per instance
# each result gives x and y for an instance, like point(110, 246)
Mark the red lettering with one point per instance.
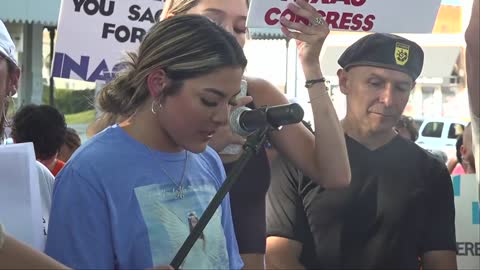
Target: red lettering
point(358, 3)
point(345, 20)
point(268, 16)
point(289, 15)
point(271, 19)
point(302, 20)
point(368, 23)
point(332, 18)
point(323, 14)
point(356, 22)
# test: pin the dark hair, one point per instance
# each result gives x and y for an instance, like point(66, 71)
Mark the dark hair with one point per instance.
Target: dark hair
point(43, 125)
point(72, 139)
point(185, 47)
point(458, 145)
point(408, 123)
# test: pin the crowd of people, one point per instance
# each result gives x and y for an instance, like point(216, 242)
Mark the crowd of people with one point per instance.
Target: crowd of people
point(355, 193)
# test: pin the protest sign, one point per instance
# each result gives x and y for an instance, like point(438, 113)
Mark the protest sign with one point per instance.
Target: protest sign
point(467, 221)
point(388, 16)
point(20, 194)
point(93, 35)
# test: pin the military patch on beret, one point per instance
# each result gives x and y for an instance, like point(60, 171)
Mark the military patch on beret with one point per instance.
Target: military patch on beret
point(401, 53)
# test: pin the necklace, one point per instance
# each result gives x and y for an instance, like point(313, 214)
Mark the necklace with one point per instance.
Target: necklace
point(180, 190)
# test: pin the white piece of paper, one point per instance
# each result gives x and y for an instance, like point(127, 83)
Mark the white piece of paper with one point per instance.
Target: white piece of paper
point(387, 16)
point(467, 221)
point(20, 204)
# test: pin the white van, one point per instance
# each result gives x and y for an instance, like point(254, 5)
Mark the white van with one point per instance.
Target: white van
point(440, 134)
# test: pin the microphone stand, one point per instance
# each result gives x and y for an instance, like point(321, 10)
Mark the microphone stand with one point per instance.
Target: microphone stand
point(253, 145)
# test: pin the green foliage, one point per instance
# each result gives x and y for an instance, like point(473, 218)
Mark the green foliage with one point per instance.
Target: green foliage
point(71, 101)
point(85, 117)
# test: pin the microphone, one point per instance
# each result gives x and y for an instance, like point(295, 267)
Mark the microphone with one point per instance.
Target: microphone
point(244, 121)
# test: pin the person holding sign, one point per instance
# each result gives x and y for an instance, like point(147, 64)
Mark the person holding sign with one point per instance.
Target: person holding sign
point(400, 204)
point(311, 153)
point(128, 198)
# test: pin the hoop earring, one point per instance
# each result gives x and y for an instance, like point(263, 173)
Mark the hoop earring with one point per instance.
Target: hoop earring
point(155, 105)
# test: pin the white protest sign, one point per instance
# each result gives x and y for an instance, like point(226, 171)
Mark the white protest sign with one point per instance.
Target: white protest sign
point(20, 202)
point(93, 35)
point(467, 221)
point(388, 16)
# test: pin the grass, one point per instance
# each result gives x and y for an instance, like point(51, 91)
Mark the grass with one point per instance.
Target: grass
point(85, 117)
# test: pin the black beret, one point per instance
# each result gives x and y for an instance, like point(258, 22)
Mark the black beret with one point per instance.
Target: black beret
point(385, 51)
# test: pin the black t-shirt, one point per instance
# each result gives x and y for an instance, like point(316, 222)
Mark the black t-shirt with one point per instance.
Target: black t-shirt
point(398, 206)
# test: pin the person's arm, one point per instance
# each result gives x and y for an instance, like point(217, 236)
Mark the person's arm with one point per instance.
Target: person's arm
point(16, 255)
point(439, 242)
point(310, 153)
point(283, 253)
point(472, 38)
point(443, 259)
point(287, 225)
point(79, 231)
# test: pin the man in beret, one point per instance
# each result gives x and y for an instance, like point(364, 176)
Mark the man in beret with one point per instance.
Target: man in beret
point(398, 211)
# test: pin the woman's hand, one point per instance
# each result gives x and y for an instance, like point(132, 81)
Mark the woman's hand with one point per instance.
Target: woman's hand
point(310, 38)
point(224, 135)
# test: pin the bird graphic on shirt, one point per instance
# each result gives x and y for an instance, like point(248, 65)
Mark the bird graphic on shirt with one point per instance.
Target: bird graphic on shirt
point(209, 252)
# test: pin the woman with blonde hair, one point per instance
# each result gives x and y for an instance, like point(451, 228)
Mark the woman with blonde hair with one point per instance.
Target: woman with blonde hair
point(123, 200)
point(309, 152)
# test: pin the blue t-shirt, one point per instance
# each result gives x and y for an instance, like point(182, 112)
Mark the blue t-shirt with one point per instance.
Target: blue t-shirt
point(114, 207)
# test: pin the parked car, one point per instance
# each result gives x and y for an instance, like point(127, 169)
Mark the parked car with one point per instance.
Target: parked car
point(440, 134)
